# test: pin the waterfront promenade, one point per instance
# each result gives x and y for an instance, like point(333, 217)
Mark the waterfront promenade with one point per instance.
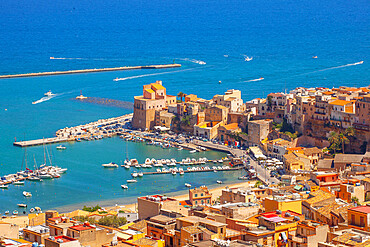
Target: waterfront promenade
point(160, 66)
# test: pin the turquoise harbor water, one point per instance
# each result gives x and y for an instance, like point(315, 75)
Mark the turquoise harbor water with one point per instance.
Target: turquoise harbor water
point(281, 36)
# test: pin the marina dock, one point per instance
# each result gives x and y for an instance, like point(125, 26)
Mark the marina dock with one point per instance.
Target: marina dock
point(187, 171)
point(161, 66)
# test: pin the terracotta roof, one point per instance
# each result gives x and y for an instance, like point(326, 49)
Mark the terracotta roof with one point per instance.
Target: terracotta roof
point(311, 151)
point(348, 158)
point(362, 209)
point(231, 126)
point(149, 90)
point(340, 102)
point(318, 196)
point(346, 238)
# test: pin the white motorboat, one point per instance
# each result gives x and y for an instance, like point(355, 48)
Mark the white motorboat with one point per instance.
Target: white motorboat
point(131, 181)
point(61, 147)
point(18, 183)
point(180, 148)
point(45, 176)
point(22, 205)
point(181, 173)
point(134, 175)
point(248, 58)
point(219, 181)
point(173, 173)
point(140, 174)
point(34, 178)
point(193, 151)
point(187, 185)
point(110, 165)
point(124, 186)
point(148, 161)
point(15, 212)
point(49, 94)
point(32, 210)
point(27, 194)
point(3, 186)
point(127, 166)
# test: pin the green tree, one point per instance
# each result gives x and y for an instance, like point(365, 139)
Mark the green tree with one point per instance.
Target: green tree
point(343, 140)
point(112, 221)
point(180, 95)
point(334, 141)
point(350, 132)
point(91, 209)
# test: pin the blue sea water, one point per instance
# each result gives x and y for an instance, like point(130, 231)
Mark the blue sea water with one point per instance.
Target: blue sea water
point(281, 36)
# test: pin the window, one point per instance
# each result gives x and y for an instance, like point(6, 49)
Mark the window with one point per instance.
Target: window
point(352, 219)
point(362, 221)
point(196, 195)
point(201, 194)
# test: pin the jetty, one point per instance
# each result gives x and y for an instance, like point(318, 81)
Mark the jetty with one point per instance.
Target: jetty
point(160, 66)
point(91, 131)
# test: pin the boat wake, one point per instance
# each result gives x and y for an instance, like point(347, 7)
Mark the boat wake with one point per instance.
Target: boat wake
point(259, 79)
point(43, 99)
point(145, 75)
point(66, 58)
point(338, 67)
point(193, 61)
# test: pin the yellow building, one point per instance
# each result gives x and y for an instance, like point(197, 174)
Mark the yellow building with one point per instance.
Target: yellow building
point(283, 203)
point(200, 196)
point(359, 218)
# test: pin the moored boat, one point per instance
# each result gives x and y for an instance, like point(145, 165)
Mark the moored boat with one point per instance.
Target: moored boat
point(131, 181)
point(124, 186)
point(110, 165)
point(27, 194)
point(22, 205)
point(61, 147)
point(18, 183)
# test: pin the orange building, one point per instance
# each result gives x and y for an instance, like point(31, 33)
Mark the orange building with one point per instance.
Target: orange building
point(200, 196)
point(154, 98)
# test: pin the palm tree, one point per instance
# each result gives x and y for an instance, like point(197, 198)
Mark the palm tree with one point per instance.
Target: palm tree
point(350, 132)
point(180, 95)
point(334, 141)
point(343, 140)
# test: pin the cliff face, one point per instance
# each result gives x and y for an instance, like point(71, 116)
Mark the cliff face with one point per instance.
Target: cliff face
point(315, 133)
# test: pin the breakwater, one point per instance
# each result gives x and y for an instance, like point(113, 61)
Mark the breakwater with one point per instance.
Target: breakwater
point(161, 66)
point(91, 131)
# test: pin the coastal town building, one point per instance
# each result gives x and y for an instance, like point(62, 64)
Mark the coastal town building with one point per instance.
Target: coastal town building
point(200, 196)
point(154, 99)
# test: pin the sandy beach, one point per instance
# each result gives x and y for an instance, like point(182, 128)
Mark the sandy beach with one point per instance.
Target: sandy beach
point(216, 192)
point(22, 221)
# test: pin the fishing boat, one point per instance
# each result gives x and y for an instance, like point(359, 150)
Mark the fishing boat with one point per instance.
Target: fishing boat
point(187, 185)
point(219, 181)
point(124, 186)
point(18, 183)
point(22, 205)
point(61, 147)
point(15, 212)
point(49, 94)
point(131, 181)
point(27, 194)
point(110, 165)
point(3, 186)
